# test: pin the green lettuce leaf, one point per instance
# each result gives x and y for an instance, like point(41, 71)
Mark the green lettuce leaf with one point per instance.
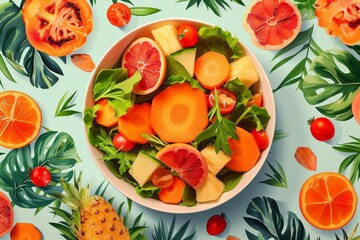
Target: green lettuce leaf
point(147, 191)
point(219, 40)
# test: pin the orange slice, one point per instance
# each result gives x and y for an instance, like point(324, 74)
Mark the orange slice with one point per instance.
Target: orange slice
point(328, 200)
point(20, 119)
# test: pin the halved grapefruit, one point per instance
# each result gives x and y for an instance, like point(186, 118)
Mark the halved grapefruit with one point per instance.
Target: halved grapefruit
point(186, 161)
point(6, 214)
point(272, 24)
point(145, 56)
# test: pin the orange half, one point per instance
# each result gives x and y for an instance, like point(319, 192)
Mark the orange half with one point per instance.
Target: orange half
point(20, 119)
point(328, 200)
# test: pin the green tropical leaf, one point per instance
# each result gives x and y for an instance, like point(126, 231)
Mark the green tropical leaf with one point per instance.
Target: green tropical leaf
point(306, 8)
point(213, 5)
point(164, 232)
point(64, 106)
point(56, 151)
point(280, 134)
point(303, 44)
point(267, 220)
point(4, 69)
point(333, 74)
point(42, 70)
point(278, 177)
point(143, 11)
point(352, 160)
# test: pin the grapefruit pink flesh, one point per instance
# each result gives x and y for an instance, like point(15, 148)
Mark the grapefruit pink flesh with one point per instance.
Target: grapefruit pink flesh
point(6, 215)
point(145, 56)
point(273, 24)
point(186, 161)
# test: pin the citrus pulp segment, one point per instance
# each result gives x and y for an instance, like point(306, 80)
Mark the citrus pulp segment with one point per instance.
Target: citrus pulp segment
point(6, 214)
point(328, 200)
point(272, 24)
point(145, 56)
point(186, 161)
point(20, 119)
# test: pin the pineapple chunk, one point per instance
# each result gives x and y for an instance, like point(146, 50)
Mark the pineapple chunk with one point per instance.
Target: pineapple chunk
point(244, 69)
point(143, 167)
point(186, 57)
point(166, 37)
point(210, 190)
point(215, 161)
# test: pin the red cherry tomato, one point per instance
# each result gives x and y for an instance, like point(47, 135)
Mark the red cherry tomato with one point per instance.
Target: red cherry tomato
point(227, 100)
point(118, 14)
point(261, 138)
point(187, 35)
point(216, 224)
point(40, 176)
point(162, 178)
point(322, 128)
point(256, 99)
point(121, 143)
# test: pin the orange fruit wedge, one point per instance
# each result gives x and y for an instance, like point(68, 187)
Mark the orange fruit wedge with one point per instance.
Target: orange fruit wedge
point(20, 119)
point(328, 200)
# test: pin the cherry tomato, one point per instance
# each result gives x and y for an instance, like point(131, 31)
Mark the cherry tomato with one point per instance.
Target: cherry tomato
point(118, 14)
point(256, 99)
point(321, 128)
point(227, 100)
point(187, 35)
point(216, 224)
point(40, 176)
point(121, 143)
point(162, 178)
point(261, 138)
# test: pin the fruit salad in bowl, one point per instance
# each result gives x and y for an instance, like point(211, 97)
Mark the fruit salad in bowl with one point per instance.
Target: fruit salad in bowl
point(179, 115)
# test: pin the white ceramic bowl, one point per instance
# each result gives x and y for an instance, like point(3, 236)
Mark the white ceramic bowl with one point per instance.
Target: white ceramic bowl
point(112, 56)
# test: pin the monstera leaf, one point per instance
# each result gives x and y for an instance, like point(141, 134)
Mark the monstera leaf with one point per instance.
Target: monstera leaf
point(268, 221)
point(42, 70)
point(56, 151)
point(333, 83)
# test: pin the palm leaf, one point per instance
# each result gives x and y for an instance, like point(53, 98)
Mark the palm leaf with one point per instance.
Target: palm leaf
point(64, 106)
point(55, 151)
point(303, 45)
point(333, 74)
point(267, 220)
point(42, 70)
point(353, 160)
point(278, 177)
point(306, 8)
point(164, 232)
point(213, 5)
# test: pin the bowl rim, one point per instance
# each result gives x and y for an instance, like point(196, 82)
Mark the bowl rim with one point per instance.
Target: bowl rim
point(120, 184)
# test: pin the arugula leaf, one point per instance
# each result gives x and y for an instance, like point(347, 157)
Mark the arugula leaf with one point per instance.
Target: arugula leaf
point(334, 81)
point(268, 221)
point(353, 159)
point(116, 87)
point(222, 129)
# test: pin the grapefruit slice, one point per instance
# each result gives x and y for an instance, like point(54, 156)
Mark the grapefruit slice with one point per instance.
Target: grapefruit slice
point(6, 214)
point(355, 107)
point(272, 24)
point(145, 56)
point(20, 119)
point(186, 161)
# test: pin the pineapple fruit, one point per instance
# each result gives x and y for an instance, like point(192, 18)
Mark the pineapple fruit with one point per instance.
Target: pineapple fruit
point(94, 218)
point(210, 190)
point(166, 37)
point(215, 161)
point(143, 168)
point(244, 69)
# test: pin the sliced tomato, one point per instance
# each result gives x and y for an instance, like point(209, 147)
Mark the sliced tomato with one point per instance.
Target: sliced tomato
point(118, 14)
point(257, 99)
point(162, 178)
point(57, 27)
point(226, 99)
